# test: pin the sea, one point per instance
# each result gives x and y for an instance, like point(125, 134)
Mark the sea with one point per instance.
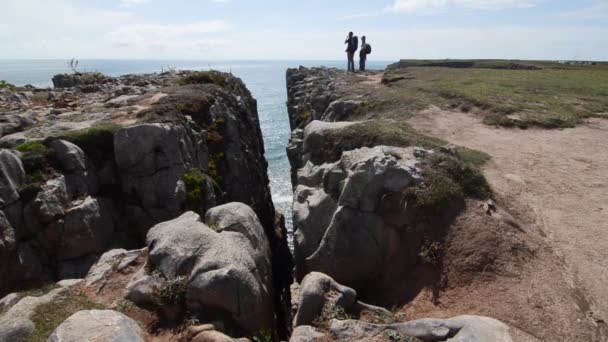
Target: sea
point(265, 80)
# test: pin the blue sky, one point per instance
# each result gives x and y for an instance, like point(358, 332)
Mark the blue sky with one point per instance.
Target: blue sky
point(303, 29)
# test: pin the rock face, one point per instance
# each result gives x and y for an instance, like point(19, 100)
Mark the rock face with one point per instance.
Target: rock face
point(97, 325)
point(342, 214)
point(98, 179)
point(318, 290)
point(224, 265)
point(458, 329)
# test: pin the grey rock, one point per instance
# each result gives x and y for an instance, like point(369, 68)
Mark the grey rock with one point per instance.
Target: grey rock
point(306, 333)
point(458, 329)
point(12, 176)
point(80, 177)
point(16, 323)
point(340, 110)
point(12, 140)
point(70, 157)
point(13, 123)
point(87, 229)
point(9, 300)
point(318, 289)
point(144, 289)
point(227, 267)
point(111, 261)
point(50, 201)
point(152, 159)
point(97, 325)
point(337, 217)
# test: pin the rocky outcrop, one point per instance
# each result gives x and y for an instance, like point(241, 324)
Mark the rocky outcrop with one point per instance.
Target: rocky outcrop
point(79, 180)
point(223, 267)
point(318, 290)
point(344, 214)
point(457, 329)
point(97, 325)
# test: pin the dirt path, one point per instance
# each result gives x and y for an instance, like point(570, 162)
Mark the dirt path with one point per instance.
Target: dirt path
point(561, 176)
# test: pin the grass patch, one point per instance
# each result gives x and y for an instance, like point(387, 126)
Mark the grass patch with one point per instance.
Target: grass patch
point(48, 317)
point(35, 158)
point(173, 292)
point(448, 180)
point(509, 94)
point(97, 142)
point(204, 77)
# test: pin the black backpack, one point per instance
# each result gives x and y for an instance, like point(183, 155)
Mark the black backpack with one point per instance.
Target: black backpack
point(355, 43)
point(368, 49)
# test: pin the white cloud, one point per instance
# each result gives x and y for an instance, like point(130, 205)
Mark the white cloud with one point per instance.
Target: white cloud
point(401, 6)
point(193, 37)
point(131, 3)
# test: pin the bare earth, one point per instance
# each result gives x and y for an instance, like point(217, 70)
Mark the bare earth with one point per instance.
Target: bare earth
point(556, 181)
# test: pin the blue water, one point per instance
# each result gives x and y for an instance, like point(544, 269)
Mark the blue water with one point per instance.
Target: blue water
point(265, 80)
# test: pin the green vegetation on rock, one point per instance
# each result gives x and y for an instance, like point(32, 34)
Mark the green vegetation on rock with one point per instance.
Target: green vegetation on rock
point(195, 182)
point(47, 317)
point(35, 158)
point(97, 141)
point(204, 77)
point(173, 291)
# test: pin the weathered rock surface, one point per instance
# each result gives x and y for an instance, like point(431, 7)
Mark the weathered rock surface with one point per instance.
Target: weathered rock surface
point(226, 268)
point(98, 325)
point(16, 323)
point(112, 162)
point(342, 223)
point(318, 290)
point(457, 329)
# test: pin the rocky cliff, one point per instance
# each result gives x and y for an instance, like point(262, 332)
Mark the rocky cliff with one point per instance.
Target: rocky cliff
point(95, 163)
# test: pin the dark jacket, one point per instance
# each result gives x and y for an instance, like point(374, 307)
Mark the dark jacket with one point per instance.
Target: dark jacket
point(351, 46)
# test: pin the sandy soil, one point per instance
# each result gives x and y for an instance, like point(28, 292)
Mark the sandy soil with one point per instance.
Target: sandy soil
point(557, 182)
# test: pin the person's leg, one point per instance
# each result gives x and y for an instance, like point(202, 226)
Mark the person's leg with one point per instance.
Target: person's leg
point(351, 61)
point(363, 61)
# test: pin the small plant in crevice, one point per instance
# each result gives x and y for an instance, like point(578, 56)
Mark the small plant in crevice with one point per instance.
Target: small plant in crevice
point(263, 336)
point(173, 291)
point(392, 335)
point(35, 157)
point(430, 253)
point(331, 311)
point(195, 181)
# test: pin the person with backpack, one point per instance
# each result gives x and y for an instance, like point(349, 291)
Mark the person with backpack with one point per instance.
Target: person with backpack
point(366, 49)
point(352, 45)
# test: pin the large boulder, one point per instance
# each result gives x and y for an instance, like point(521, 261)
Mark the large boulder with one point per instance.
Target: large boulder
point(225, 264)
point(339, 215)
point(98, 325)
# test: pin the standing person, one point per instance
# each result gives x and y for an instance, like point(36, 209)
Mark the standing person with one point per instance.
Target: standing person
point(363, 54)
point(351, 48)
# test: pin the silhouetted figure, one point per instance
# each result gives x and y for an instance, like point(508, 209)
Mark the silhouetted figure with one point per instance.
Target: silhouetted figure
point(351, 47)
point(366, 49)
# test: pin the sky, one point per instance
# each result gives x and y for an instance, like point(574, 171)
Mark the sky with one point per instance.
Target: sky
point(303, 29)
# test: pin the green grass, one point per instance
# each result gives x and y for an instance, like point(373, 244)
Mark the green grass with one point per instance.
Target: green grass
point(48, 317)
point(390, 133)
point(97, 142)
point(195, 182)
point(555, 96)
point(204, 77)
point(35, 158)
